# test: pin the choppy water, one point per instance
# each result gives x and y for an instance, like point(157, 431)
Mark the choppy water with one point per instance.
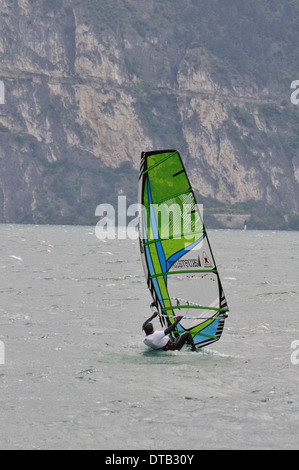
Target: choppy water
point(77, 375)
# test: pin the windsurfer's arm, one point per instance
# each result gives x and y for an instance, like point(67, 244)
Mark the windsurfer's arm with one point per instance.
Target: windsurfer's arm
point(149, 319)
point(172, 327)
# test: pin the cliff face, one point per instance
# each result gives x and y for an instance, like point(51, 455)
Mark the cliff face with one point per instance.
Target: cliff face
point(82, 100)
point(234, 143)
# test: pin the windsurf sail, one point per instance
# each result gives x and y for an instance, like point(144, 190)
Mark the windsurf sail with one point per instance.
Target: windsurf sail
point(176, 254)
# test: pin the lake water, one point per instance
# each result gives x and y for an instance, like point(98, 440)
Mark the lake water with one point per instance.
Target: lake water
point(76, 374)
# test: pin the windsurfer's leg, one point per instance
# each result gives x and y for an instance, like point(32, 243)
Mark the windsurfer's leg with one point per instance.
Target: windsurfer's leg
point(182, 339)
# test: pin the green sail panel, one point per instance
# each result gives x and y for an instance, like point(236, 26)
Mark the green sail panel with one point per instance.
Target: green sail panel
point(176, 254)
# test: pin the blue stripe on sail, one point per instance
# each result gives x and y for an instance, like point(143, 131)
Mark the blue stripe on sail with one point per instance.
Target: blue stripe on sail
point(151, 267)
point(154, 280)
point(158, 244)
point(181, 253)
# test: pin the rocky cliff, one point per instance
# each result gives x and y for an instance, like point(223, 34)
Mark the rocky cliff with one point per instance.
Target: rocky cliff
point(89, 85)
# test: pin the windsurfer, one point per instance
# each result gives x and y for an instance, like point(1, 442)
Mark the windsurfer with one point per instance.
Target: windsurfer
point(161, 340)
